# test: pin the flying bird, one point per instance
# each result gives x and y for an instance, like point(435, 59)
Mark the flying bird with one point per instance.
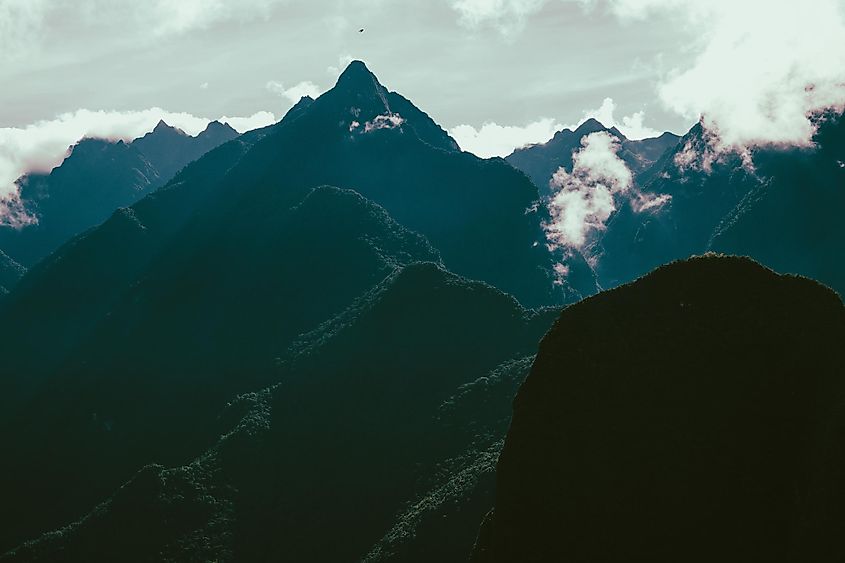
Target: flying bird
point(361, 30)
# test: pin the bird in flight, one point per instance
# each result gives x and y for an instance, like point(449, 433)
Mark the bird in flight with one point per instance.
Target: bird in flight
point(361, 30)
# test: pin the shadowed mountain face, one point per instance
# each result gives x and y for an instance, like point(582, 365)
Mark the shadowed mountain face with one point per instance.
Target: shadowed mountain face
point(10, 273)
point(479, 214)
point(95, 179)
point(541, 161)
point(784, 211)
point(133, 334)
point(395, 406)
point(169, 149)
point(715, 426)
point(153, 370)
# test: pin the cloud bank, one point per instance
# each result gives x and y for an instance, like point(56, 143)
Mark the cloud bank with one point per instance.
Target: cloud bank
point(761, 68)
point(296, 92)
point(41, 146)
point(492, 139)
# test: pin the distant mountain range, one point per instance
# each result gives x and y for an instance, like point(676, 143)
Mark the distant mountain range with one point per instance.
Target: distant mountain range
point(97, 178)
point(541, 161)
point(303, 343)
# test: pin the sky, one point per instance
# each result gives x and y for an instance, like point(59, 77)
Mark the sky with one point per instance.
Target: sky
point(497, 74)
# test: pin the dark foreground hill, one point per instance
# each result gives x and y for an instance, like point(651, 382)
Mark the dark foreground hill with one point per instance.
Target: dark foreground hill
point(96, 178)
point(695, 415)
point(394, 407)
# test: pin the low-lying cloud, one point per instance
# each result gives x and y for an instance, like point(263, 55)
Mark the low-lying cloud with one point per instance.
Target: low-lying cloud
point(296, 92)
point(584, 199)
point(493, 139)
point(41, 146)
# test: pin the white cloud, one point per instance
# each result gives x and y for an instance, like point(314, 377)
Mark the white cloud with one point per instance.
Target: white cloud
point(766, 67)
point(584, 198)
point(41, 146)
point(632, 126)
point(20, 21)
point(507, 16)
point(342, 62)
point(255, 121)
point(761, 66)
point(296, 92)
point(24, 23)
point(493, 139)
point(387, 121)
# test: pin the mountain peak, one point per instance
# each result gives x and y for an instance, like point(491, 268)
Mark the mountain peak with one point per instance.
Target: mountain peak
point(358, 77)
point(217, 128)
point(592, 125)
point(162, 126)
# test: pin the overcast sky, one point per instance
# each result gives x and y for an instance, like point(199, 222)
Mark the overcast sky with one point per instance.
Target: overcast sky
point(464, 63)
point(496, 73)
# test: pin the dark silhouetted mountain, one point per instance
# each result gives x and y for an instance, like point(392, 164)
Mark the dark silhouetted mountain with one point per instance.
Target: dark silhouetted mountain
point(541, 161)
point(98, 177)
point(395, 406)
point(170, 149)
point(10, 273)
point(784, 210)
point(694, 415)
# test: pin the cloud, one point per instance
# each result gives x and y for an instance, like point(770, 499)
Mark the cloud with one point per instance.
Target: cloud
point(632, 126)
point(20, 21)
point(296, 92)
point(760, 69)
point(493, 139)
point(24, 23)
point(342, 62)
point(508, 16)
point(387, 121)
point(584, 199)
point(255, 121)
point(41, 146)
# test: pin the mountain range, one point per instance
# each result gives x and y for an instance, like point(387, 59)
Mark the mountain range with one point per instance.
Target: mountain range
point(303, 343)
point(95, 179)
point(541, 161)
